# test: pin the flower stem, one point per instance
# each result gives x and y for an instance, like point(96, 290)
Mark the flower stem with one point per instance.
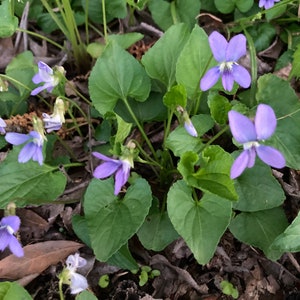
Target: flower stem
point(104, 20)
point(61, 295)
point(215, 137)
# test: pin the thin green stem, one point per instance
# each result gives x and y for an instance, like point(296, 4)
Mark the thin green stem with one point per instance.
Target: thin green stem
point(104, 20)
point(15, 81)
point(140, 127)
point(222, 131)
point(173, 12)
point(79, 94)
point(86, 21)
point(168, 126)
point(61, 295)
point(42, 38)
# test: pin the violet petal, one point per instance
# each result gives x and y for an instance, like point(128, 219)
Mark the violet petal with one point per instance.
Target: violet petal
point(252, 156)
point(241, 127)
point(16, 138)
point(218, 45)
point(15, 247)
point(27, 152)
point(271, 156)
point(239, 165)
point(210, 78)
point(106, 169)
point(4, 238)
point(104, 157)
point(121, 177)
point(241, 76)
point(227, 80)
point(12, 221)
point(265, 121)
point(236, 48)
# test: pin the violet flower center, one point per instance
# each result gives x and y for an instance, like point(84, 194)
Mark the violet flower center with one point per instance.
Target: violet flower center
point(249, 145)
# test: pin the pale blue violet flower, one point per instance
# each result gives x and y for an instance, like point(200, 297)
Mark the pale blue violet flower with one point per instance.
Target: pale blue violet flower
point(55, 120)
point(2, 126)
point(250, 134)
point(45, 75)
point(226, 54)
point(189, 127)
point(266, 4)
point(77, 282)
point(8, 226)
point(33, 148)
point(121, 168)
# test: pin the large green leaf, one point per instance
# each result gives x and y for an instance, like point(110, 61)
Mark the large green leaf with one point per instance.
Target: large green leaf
point(193, 62)
point(179, 141)
point(286, 105)
point(157, 232)
point(117, 75)
point(29, 183)
point(8, 22)
point(200, 223)
point(13, 291)
point(227, 6)
point(166, 14)
point(260, 228)
point(213, 171)
point(112, 221)
point(160, 60)
point(289, 240)
point(258, 189)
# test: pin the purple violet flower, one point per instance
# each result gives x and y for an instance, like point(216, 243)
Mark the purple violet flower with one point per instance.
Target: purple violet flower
point(33, 149)
point(226, 54)
point(189, 127)
point(249, 134)
point(120, 167)
point(266, 4)
point(45, 75)
point(8, 226)
point(2, 126)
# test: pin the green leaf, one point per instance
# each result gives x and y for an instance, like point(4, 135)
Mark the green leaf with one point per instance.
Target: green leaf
point(219, 107)
point(201, 223)
point(166, 14)
point(29, 183)
point(80, 227)
point(289, 240)
point(259, 229)
point(113, 9)
point(8, 22)
point(286, 105)
point(117, 75)
point(228, 6)
point(258, 189)
point(213, 174)
point(157, 232)
point(262, 34)
point(86, 295)
point(296, 63)
point(112, 221)
point(176, 96)
point(13, 291)
point(179, 141)
point(194, 60)
point(160, 60)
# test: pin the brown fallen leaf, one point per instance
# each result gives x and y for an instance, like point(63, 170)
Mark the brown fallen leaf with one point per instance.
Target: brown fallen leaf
point(37, 258)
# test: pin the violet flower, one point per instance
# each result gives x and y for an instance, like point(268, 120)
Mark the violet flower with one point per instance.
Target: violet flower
point(77, 282)
point(2, 126)
point(33, 149)
point(226, 54)
point(120, 167)
point(189, 127)
point(45, 75)
point(249, 134)
point(266, 4)
point(8, 226)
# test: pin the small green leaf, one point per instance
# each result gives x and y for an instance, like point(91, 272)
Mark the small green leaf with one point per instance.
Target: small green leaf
point(176, 96)
point(13, 291)
point(143, 277)
point(179, 141)
point(117, 75)
point(259, 229)
point(108, 216)
point(29, 183)
point(228, 6)
point(213, 173)
point(104, 281)
point(289, 240)
point(160, 60)
point(296, 63)
point(219, 107)
point(201, 223)
point(86, 295)
point(229, 289)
